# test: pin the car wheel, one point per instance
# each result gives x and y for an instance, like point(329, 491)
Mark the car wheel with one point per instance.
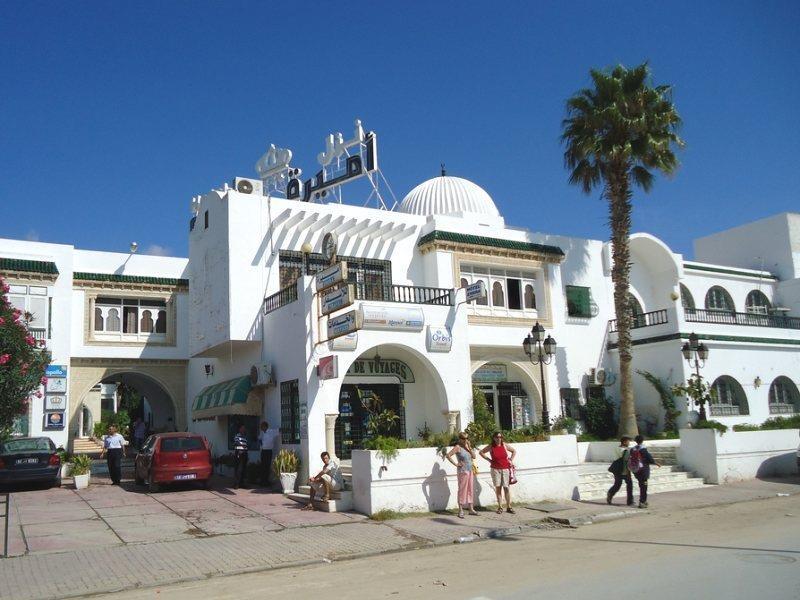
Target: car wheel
point(152, 486)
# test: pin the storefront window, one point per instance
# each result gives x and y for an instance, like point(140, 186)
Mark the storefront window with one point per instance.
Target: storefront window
point(290, 412)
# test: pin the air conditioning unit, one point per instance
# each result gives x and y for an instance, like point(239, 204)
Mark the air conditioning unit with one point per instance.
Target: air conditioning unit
point(262, 375)
point(248, 186)
point(604, 377)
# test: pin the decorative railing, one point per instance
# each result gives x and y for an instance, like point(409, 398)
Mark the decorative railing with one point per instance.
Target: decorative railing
point(38, 333)
point(725, 410)
point(408, 294)
point(726, 317)
point(281, 298)
point(648, 319)
point(781, 409)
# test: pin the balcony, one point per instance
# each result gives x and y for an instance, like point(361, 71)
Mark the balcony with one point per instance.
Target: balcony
point(724, 317)
point(38, 333)
point(648, 319)
point(281, 298)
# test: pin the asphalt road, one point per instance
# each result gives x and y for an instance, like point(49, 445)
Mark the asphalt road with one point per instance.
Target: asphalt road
point(749, 550)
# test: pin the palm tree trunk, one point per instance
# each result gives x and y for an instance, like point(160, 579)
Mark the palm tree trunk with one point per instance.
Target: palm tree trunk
point(618, 195)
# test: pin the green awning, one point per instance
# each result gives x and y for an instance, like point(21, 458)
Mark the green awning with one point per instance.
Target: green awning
point(230, 397)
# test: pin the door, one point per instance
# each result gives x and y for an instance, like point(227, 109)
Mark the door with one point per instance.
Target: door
point(355, 402)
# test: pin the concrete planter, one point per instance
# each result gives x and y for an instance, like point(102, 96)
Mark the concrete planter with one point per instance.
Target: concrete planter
point(81, 481)
point(66, 469)
point(288, 481)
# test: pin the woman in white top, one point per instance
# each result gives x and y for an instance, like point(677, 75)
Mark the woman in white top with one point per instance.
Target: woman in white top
point(114, 451)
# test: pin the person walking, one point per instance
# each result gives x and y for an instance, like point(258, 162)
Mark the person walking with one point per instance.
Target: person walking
point(501, 460)
point(266, 441)
point(114, 451)
point(464, 457)
point(639, 463)
point(240, 457)
point(619, 469)
point(139, 431)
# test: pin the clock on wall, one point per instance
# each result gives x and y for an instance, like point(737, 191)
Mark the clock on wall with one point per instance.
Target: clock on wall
point(329, 247)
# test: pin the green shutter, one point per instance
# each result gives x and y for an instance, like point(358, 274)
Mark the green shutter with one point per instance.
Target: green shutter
point(579, 301)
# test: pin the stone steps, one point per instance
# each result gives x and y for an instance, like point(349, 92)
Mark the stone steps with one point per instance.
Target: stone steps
point(340, 501)
point(652, 488)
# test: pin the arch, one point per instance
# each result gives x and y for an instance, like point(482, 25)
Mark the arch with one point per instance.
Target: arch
point(687, 300)
point(783, 396)
point(522, 370)
point(728, 397)
point(756, 302)
point(636, 311)
point(718, 298)
point(498, 297)
point(98, 319)
point(529, 296)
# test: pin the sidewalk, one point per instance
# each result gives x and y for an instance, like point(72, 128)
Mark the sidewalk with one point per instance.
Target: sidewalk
point(99, 563)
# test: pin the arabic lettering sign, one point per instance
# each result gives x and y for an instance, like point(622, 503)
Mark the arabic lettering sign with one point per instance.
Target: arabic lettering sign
point(439, 339)
point(384, 367)
point(490, 374)
point(395, 318)
point(332, 275)
point(333, 301)
point(344, 324)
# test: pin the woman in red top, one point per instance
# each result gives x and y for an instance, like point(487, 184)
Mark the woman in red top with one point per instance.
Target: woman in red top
point(501, 460)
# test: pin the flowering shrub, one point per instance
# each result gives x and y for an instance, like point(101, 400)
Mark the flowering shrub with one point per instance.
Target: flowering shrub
point(22, 363)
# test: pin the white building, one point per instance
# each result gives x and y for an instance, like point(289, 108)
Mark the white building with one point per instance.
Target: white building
point(188, 333)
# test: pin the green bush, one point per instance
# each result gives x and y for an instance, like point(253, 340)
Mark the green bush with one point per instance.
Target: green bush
point(99, 430)
point(746, 427)
point(286, 462)
point(81, 464)
point(564, 423)
point(598, 414)
point(711, 424)
point(385, 446)
point(792, 422)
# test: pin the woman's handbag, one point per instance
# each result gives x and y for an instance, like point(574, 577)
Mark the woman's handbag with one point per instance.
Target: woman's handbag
point(512, 476)
point(616, 467)
point(474, 468)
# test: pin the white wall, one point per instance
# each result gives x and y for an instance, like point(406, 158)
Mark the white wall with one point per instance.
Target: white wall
point(420, 480)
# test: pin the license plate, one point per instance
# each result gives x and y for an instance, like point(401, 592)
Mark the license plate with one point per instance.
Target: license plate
point(186, 476)
point(27, 461)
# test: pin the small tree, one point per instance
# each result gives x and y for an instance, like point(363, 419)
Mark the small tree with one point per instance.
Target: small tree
point(667, 396)
point(698, 391)
point(22, 363)
point(482, 419)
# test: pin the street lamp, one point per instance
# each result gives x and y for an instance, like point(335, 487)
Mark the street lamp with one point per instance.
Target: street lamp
point(695, 352)
point(540, 351)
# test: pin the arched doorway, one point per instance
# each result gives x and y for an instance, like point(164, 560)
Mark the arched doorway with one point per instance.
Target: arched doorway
point(510, 390)
point(388, 378)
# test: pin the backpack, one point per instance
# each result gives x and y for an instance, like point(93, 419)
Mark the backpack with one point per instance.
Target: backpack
point(635, 460)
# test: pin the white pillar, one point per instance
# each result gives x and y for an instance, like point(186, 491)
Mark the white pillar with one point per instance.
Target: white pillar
point(330, 439)
point(452, 420)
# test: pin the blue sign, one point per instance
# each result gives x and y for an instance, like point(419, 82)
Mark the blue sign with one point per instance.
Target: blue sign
point(56, 371)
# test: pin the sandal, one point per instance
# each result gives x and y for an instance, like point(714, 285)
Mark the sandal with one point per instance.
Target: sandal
point(499, 510)
point(473, 513)
point(461, 514)
point(511, 510)
point(308, 507)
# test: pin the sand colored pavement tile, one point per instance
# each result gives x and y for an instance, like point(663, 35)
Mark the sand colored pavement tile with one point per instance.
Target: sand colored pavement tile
point(226, 525)
point(150, 527)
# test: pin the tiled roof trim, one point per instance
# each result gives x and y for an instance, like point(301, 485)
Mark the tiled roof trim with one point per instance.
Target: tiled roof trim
point(477, 240)
point(29, 266)
point(110, 277)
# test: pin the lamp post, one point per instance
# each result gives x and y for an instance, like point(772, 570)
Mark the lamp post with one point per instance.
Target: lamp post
point(540, 351)
point(695, 352)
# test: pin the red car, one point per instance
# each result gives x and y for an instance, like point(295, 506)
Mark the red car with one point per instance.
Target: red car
point(173, 457)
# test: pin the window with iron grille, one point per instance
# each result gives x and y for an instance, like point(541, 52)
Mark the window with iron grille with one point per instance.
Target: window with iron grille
point(372, 277)
point(718, 298)
point(579, 301)
point(757, 303)
point(290, 412)
point(783, 396)
point(687, 300)
point(571, 402)
point(730, 398)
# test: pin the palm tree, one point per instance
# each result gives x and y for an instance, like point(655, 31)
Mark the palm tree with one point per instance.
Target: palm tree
point(616, 134)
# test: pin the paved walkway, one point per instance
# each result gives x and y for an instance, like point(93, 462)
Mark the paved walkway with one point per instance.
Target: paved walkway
point(108, 538)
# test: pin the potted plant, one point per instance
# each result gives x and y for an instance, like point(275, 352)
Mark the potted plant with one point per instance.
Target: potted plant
point(81, 469)
point(286, 465)
point(66, 462)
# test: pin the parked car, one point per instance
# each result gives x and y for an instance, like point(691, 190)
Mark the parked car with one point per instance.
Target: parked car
point(29, 460)
point(173, 457)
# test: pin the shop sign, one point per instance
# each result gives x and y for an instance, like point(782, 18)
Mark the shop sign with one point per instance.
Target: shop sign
point(54, 420)
point(53, 402)
point(394, 318)
point(344, 324)
point(476, 290)
point(382, 367)
point(439, 339)
point(55, 371)
point(490, 374)
point(345, 342)
point(333, 301)
point(328, 367)
point(56, 384)
point(332, 275)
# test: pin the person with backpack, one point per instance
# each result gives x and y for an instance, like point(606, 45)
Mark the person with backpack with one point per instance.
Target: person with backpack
point(619, 469)
point(639, 462)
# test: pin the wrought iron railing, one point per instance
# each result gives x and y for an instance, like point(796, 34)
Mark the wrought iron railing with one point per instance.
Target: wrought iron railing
point(727, 317)
point(781, 409)
point(281, 298)
point(408, 294)
point(648, 319)
point(38, 333)
point(725, 410)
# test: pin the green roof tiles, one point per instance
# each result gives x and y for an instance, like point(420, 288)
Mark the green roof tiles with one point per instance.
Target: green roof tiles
point(28, 266)
point(112, 278)
point(477, 240)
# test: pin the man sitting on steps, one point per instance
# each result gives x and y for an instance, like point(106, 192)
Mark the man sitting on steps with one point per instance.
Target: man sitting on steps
point(328, 480)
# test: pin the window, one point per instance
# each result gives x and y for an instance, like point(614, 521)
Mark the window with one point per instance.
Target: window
point(129, 318)
point(290, 412)
point(783, 396)
point(372, 277)
point(464, 283)
point(637, 318)
point(757, 303)
point(571, 402)
point(182, 444)
point(205, 220)
point(687, 300)
point(579, 301)
point(507, 289)
point(32, 300)
point(727, 398)
point(718, 298)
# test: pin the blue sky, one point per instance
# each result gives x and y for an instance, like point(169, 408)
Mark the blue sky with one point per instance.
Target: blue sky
point(113, 115)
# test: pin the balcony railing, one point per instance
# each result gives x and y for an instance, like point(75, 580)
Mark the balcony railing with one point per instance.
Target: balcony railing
point(38, 333)
point(781, 409)
point(726, 317)
point(285, 296)
point(408, 294)
point(725, 410)
point(648, 319)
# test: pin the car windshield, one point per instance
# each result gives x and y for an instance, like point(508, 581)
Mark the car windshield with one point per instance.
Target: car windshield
point(182, 444)
point(26, 445)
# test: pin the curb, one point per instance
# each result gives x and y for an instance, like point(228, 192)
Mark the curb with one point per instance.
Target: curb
point(598, 517)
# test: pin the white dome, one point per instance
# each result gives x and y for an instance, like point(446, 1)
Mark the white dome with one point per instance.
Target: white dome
point(446, 195)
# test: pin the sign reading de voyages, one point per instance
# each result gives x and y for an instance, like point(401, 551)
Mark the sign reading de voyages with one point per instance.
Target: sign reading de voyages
point(382, 367)
point(331, 276)
point(339, 298)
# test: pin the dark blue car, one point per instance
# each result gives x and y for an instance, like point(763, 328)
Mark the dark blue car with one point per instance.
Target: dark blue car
point(29, 460)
